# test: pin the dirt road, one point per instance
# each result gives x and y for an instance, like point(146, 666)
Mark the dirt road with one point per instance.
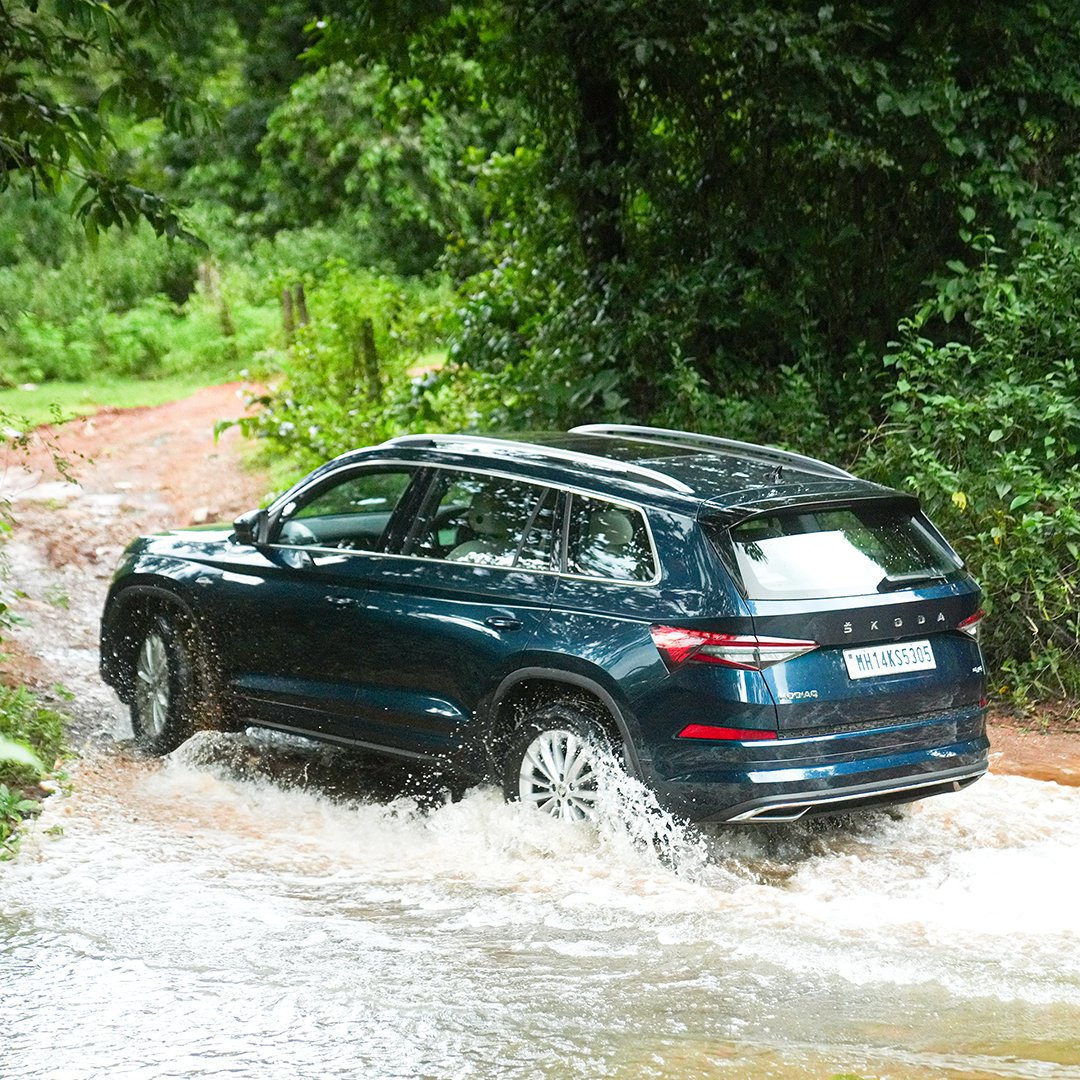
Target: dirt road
point(138, 470)
point(141, 470)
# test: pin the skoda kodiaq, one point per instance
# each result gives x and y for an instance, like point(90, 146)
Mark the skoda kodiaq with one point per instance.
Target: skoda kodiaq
point(757, 635)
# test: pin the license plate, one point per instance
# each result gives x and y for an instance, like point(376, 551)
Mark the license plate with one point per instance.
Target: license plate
point(889, 659)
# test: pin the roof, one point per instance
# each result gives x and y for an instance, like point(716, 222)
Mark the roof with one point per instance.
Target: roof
point(667, 466)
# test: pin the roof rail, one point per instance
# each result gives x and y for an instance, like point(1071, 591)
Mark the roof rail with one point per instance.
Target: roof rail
point(671, 437)
point(515, 448)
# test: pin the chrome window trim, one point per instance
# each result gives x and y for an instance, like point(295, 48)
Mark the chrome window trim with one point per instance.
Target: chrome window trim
point(557, 487)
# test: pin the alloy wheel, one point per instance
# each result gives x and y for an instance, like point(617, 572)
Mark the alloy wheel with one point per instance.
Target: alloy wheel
point(152, 685)
point(560, 775)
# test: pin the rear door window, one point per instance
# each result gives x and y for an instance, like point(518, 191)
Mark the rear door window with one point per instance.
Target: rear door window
point(843, 551)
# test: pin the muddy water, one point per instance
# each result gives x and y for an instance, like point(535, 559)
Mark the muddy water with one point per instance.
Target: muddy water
point(189, 923)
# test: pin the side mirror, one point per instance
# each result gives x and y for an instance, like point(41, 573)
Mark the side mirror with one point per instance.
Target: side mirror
point(251, 528)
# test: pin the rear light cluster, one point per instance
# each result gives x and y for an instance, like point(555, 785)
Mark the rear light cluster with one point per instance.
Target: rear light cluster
point(744, 651)
point(970, 625)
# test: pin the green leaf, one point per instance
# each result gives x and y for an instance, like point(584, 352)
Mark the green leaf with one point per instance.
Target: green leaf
point(18, 754)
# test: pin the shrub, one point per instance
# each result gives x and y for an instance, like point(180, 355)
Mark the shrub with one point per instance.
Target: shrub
point(987, 432)
point(327, 401)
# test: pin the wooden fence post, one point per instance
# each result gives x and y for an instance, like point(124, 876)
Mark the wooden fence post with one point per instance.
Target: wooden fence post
point(369, 358)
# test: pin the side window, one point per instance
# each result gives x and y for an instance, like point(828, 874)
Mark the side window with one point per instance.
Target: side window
point(609, 541)
point(350, 513)
point(488, 521)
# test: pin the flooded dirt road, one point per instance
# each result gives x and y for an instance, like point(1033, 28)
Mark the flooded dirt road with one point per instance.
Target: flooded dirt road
point(240, 910)
point(190, 924)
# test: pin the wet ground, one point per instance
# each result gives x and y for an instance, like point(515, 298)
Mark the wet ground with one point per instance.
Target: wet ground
point(255, 907)
point(192, 923)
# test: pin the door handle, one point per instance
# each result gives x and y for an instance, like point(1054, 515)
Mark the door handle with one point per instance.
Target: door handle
point(503, 622)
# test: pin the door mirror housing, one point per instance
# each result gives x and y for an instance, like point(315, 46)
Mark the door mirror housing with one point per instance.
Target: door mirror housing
point(251, 528)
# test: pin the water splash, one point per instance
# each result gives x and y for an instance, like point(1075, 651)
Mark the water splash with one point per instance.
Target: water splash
point(225, 910)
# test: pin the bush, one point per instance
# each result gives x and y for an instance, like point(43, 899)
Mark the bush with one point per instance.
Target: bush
point(987, 432)
point(328, 400)
point(25, 722)
point(109, 310)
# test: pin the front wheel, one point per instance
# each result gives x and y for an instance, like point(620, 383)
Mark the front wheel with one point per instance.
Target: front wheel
point(163, 688)
point(559, 762)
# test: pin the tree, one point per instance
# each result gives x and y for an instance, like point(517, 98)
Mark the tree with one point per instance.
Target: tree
point(68, 70)
point(724, 194)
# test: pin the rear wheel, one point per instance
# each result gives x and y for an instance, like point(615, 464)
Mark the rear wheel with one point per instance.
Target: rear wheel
point(164, 688)
point(559, 762)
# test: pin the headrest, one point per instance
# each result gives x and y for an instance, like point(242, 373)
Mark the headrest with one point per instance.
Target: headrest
point(612, 528)
point(486, 517)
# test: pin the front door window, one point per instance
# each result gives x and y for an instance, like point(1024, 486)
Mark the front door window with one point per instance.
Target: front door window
point(350, 513)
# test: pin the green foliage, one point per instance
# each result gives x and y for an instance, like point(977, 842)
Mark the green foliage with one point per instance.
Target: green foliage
point(131, 306)
point(987, 432)
point(328, 400)
point(353, 147)
point(67, 69)
point(741, 195)
point(38, 729)
point(15, 753)
point(14, 809)
point(30, 735)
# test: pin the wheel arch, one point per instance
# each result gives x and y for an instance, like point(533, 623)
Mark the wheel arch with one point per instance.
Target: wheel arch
point(537, 685)
point(126, 616)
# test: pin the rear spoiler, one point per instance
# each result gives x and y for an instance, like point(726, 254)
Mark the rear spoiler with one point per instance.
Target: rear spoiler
point(729, 515)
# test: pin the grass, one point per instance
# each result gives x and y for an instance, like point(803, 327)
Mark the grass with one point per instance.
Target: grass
point(37, 405)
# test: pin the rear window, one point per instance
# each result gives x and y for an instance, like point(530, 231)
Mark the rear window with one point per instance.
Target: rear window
point(846, 551)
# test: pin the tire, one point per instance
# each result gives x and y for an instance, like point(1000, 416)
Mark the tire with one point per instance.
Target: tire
point(163, 676)
point(559, 761)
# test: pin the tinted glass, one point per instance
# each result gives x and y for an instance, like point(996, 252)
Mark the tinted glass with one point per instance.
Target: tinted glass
point(352, 513)
point(841, 552)
point(609, 541)
point(488, 521)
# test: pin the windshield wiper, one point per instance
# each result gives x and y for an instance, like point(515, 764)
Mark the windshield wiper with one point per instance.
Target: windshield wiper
point(894, 582)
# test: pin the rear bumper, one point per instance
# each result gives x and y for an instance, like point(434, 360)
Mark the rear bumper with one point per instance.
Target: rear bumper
point(792, 778)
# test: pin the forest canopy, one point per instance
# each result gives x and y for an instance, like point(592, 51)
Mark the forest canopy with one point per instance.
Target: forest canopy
point(851, 229)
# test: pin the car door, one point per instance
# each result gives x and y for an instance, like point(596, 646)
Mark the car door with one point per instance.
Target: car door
point(296, 635)
point(447, 618)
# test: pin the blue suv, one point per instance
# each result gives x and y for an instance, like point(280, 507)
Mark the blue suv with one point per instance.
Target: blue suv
point(754, 634)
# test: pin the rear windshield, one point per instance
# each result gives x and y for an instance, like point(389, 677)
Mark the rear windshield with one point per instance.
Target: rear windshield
point(846, 551)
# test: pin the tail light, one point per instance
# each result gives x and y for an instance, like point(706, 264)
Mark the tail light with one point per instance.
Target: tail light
point(970, 625)
point(744, 651)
